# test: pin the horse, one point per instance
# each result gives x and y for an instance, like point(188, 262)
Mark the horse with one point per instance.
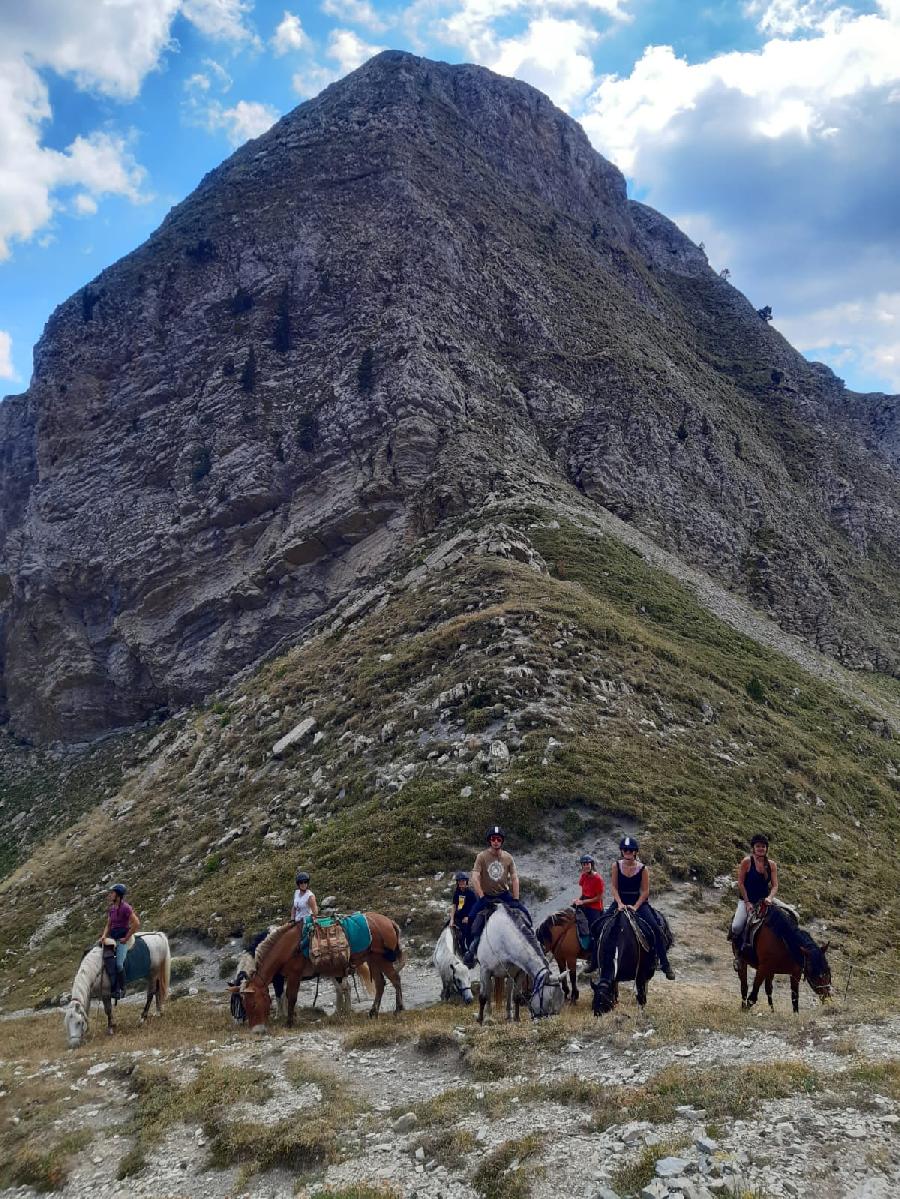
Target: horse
point(92, 981)
point(506, 952)
point(455, 978)
point(627, 956)
point(773, 955)
point(246, 964)
point(280, 951)
point(558, 935)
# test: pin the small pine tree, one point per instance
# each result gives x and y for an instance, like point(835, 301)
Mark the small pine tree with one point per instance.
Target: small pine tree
point(248, 374)
point(283, 322)
point(755, 689)
point(365, 376)
point(765, 314)
point(725, 274)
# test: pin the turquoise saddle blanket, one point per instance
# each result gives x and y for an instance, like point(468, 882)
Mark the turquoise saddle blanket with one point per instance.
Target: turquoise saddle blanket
point(137, 961)
point(355, 927)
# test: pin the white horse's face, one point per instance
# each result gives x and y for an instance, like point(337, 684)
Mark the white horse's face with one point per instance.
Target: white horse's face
point(76, 1023)
point(547, 999)
point(461, 981)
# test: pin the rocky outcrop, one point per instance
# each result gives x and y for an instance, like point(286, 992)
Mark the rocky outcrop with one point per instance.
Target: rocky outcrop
point(419, 291)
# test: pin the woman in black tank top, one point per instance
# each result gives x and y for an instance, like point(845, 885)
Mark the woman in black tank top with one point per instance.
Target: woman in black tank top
point(757, 879)
point(631, 889)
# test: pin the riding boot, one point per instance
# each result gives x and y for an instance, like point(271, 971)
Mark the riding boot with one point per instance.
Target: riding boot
point(120, 983)
point(474, 937)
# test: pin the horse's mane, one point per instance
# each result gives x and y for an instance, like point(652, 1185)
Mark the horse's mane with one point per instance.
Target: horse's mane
point(798, 939)
point(542, 931)
point(265, 946)
point(87, 974)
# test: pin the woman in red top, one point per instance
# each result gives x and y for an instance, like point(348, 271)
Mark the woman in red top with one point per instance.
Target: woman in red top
point(589, 905)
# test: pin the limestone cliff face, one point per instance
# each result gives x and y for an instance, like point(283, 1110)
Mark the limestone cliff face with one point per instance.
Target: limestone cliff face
point(419, 289)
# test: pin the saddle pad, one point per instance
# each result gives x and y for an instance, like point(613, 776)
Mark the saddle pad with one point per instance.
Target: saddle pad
point(137, 961)
point(356, 930)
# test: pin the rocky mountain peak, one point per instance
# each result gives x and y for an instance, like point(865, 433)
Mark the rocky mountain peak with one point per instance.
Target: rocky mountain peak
point(419, 292)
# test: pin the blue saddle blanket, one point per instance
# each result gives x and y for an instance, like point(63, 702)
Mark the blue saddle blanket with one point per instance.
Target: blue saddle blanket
point(137, 961)
point(356, 930)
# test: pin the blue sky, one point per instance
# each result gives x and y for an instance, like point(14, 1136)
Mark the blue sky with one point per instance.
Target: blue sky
point(768, 129)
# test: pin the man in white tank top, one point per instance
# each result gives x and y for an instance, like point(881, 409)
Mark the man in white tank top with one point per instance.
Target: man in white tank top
point(304, 901)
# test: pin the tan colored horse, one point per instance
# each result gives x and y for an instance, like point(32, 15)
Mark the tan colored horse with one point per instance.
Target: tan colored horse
point(558, 935)
point(280, 953)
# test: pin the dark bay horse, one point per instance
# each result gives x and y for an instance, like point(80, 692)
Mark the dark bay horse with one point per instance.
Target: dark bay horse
point(280, 953)
point(626, 956)
point(780, 948)
point(558, 935)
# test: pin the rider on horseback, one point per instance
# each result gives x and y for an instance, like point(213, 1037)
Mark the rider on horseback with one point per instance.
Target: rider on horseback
point(121, 924)
point(589, 905)
point(630, 884)
point(304, 901)
point(757, 879)
point(464, 901)
point(494, 880)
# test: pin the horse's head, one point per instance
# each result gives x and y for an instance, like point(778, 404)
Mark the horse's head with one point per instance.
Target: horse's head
point(462, 982)
point(256, 1003)
point(76, 1023)
point(546, 995)
point(817, 971)
point(604, 996)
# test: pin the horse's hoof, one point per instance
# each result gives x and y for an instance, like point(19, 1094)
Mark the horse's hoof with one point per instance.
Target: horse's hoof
point(110, 1032)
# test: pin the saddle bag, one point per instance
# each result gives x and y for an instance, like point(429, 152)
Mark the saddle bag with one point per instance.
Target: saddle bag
point(329, 949)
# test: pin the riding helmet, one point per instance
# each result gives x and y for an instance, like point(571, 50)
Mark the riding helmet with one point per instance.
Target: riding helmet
point(759, 839)
point(585, 858)
point(628, 843)
point(461, 876)
point(302, 877)
point(496, 831)
point(119, 889)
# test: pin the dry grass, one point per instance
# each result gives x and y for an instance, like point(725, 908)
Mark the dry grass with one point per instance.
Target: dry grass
point(503, 1174)
point(638, 1171)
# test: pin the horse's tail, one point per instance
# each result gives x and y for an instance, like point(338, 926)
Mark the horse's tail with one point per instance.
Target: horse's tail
point(366, 975)
point(166, 970)
point(400, 959)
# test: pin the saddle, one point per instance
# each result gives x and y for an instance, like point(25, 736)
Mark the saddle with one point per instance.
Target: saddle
point(760, 916)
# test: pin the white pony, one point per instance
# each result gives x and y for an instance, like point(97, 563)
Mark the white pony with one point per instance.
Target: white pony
point(455, 978)
point(507, 954)
point(92, 982)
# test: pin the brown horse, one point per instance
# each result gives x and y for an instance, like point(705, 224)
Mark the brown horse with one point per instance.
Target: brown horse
point(773, 956)
point(558, 935)
point(280, 953)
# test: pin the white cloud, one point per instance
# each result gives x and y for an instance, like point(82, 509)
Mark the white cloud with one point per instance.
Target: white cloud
point(110, 47)
point(84, 205)
point(786, 162)
point(100, 164)
point(244, 120)
point(107, 46)
point(7, 371)
point(312, 78)
point(550, 56)
point(786, 17)
point(289, 35)
point(356, 12)
point(349, 50)
point(476, 25)
point(864, 333)
point(223, 20)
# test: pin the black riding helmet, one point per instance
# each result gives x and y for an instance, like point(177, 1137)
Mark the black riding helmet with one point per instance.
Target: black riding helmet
point(302, 877)
point(495, 831)
point(461, 876)
point(759, 839)
point(585, 859)
point(628, 843)
point(120, 889)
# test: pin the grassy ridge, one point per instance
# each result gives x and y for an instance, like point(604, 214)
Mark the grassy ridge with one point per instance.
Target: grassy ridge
point(663, 714)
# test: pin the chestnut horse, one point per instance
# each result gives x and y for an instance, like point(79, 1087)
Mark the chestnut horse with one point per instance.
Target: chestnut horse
point(558, 935)
point(280, 953)
point(771, 955)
